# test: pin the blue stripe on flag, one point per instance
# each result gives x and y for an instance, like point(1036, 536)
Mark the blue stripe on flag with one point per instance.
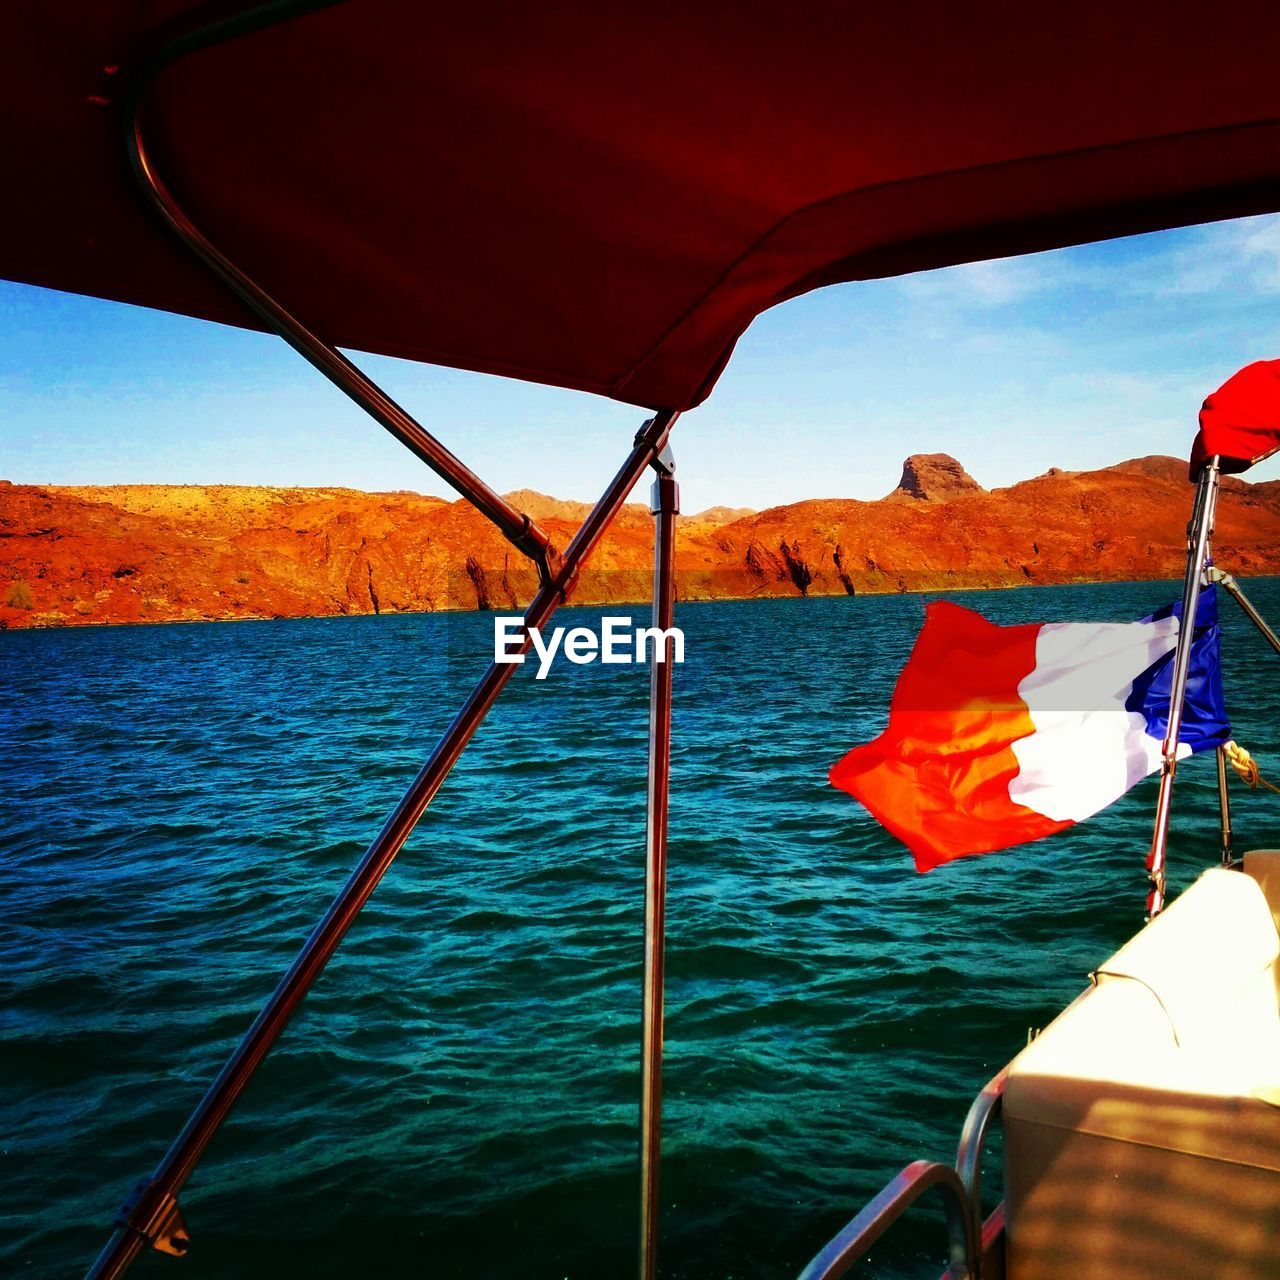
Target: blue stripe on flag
point(1204, 715)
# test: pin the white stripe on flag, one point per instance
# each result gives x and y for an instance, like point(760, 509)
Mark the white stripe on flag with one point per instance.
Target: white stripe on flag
point(1087, 750)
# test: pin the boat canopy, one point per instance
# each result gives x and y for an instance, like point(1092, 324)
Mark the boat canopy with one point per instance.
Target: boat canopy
point(600, 194)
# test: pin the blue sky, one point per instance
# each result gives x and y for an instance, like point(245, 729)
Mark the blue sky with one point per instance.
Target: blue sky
point(1077, 358)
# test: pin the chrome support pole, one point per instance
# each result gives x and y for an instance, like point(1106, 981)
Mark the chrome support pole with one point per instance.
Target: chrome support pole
point(518, 528)
point(151, 1215)
point(148, 1217)
point(1224, 806)
point(1199, 540)
point(665, 505)
point(1232, 588)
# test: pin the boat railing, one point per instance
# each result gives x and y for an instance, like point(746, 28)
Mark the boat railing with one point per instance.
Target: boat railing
point(974, 1244)
point(851, 1243)
point(987, 1232)
point(984, 1112)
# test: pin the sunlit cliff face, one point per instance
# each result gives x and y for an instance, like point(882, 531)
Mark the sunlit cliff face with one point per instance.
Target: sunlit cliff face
point(167, 553)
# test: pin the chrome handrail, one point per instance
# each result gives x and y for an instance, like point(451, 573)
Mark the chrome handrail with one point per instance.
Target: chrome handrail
point(853, 1240)
point(984, 1111)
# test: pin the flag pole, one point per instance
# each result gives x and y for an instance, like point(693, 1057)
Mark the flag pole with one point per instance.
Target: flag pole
point(665, 505)
point(1199, 541)
point(1224, 806)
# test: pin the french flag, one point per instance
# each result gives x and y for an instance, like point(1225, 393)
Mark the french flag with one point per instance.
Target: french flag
point(999, 735)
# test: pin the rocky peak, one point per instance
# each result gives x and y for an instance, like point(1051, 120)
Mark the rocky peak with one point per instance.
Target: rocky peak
point(1155, 467)
point(935, 477)
point(723, 515)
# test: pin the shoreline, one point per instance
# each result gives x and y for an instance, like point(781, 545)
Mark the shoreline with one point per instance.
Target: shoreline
point(67, 624)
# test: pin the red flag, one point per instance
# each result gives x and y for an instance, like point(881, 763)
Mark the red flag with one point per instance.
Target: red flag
point(1241, 420)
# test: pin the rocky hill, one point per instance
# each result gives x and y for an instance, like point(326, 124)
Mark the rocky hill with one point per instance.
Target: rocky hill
point(158, 553)
point(934, 477)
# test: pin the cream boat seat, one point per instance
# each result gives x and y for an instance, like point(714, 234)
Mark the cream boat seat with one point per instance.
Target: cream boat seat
point(1142, 1127)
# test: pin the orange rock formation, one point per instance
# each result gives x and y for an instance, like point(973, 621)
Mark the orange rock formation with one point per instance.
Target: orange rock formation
point(160, 553)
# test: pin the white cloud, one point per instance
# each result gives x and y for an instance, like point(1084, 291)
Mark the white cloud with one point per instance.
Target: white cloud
point(1243, 256)
point(1260, 246)
point(999, 282)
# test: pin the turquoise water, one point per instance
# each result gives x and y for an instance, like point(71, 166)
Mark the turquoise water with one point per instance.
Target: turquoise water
point(458, 1095)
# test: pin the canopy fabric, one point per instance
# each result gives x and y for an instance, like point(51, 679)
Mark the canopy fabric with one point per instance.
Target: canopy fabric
point(601, 194)
point(1240, 422)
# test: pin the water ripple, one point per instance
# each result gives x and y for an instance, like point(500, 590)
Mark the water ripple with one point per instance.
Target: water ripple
point(458, 1095)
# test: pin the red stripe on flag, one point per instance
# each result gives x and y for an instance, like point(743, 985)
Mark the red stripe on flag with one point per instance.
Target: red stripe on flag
point(938, 777)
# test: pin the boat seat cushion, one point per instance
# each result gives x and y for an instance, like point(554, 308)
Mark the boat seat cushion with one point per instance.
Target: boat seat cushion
point(1160, 1081)
point(1209, 959)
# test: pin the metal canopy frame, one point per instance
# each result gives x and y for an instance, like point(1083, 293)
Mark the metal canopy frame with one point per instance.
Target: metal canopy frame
point(517, 527)
point(151, 1217)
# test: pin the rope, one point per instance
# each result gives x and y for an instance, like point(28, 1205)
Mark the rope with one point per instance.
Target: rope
point(1247, 767)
